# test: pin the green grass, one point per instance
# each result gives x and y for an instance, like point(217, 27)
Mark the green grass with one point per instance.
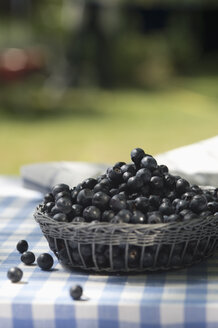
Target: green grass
point(103, 126)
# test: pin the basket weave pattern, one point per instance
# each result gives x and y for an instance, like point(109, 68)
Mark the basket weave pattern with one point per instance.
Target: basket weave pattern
point(130, 247)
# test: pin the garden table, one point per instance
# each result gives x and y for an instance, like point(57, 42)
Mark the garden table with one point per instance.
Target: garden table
point(177, 299)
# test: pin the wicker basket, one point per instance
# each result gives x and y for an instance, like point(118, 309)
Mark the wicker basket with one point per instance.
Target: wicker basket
point(118, 248)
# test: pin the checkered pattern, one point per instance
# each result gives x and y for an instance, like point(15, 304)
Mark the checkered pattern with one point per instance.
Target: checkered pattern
point(182, 298)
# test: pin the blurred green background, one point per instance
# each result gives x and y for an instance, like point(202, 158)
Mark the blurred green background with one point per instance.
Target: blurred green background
point(90, 80)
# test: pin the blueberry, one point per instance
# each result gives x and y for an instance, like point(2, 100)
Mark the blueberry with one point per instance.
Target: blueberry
point(198, 203)
point(54, 210)
point(76, 210)
point(172, 218)
point(49, 206)
point(62, 194)
point(48, 198)
point(22, 246)
point(125, 215)
point(182, 186)
point(98, 187)
point(106, 183)
point(196, 189)
point(127, 175)
point(144, 175)
point(78, 219)
point(74, 194)
point(134, 183)
point(76, 292)
point(138, 217)
point(60, 217)
point(166, 208)
point(142, 203)
point(119, 164)
point(136, 155)
point(205, 214)
point(188, 195)
point(116, 220)
point(182, 205)
point(15, 274)
point(169, 181)
point(156, 183)
point(101, 200)
point(64, 204)
point(212, 206)
point(115, 174)
point(171, 195)
point(117, 203)
point(114, 191)
point(128, 168)
point(107, 215)
point(27, 258)
point(149, 162)
point(59, 188)
point(163, 168)
point(84, 197)
point(45, 261)
point(189, 216)
point(89, 183)
point(154, 200)
point(122, 187)
point(154, 217)
point(91, 213)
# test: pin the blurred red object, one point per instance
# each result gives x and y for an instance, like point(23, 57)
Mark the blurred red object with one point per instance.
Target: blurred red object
point(16, 63)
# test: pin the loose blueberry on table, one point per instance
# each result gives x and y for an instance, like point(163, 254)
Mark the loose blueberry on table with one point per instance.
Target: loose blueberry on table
point(45, 261)
point(141, 192)
point(22, 246)
point(76, 292)
point(15, 274)
point(27, 258)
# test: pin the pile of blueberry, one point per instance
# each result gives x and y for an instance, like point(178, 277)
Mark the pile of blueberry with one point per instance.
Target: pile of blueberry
point(141, 192)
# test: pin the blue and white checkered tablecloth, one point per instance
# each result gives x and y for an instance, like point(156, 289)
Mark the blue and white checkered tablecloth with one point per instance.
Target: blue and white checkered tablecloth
point(182, 298)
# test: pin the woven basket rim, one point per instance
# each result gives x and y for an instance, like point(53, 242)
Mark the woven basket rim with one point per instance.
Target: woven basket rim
point(39, 216)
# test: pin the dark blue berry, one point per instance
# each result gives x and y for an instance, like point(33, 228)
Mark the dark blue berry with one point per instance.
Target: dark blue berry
point(163, 168)
point(84, 197)
point(22, 246)
point(182, 205)
point(48, 198)
point(15, 274)
point(60, 217)
point(166, 208)
point(127, 175)
point(149, 162)
point(45, 261)
point(188, 195)
point(198, 203)
point(144, 174)
point(154, 217)
point(78, 219)
point(136, 155)
point(76, 210)
point(64, 204)
point(59, 188)
point(28, 258)
point(107, 215)
point(101, 200)
point(182, 186)
point(154, 200)
point(142, 203)
point(138, 217)
point(117, 203)
point(212, 206)
point(128, 168)
point(115, 174)
point(171, 218)
point(91, 213)
point(125, 215)
point(76, 292)
point(89, 183)
point(169, 181)
point(49, 206)
point(156, 183)
point(54, 210)
point(119, 164)
point(134, 183)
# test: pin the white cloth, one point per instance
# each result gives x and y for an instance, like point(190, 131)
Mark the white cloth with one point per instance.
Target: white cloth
point(198, 163)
